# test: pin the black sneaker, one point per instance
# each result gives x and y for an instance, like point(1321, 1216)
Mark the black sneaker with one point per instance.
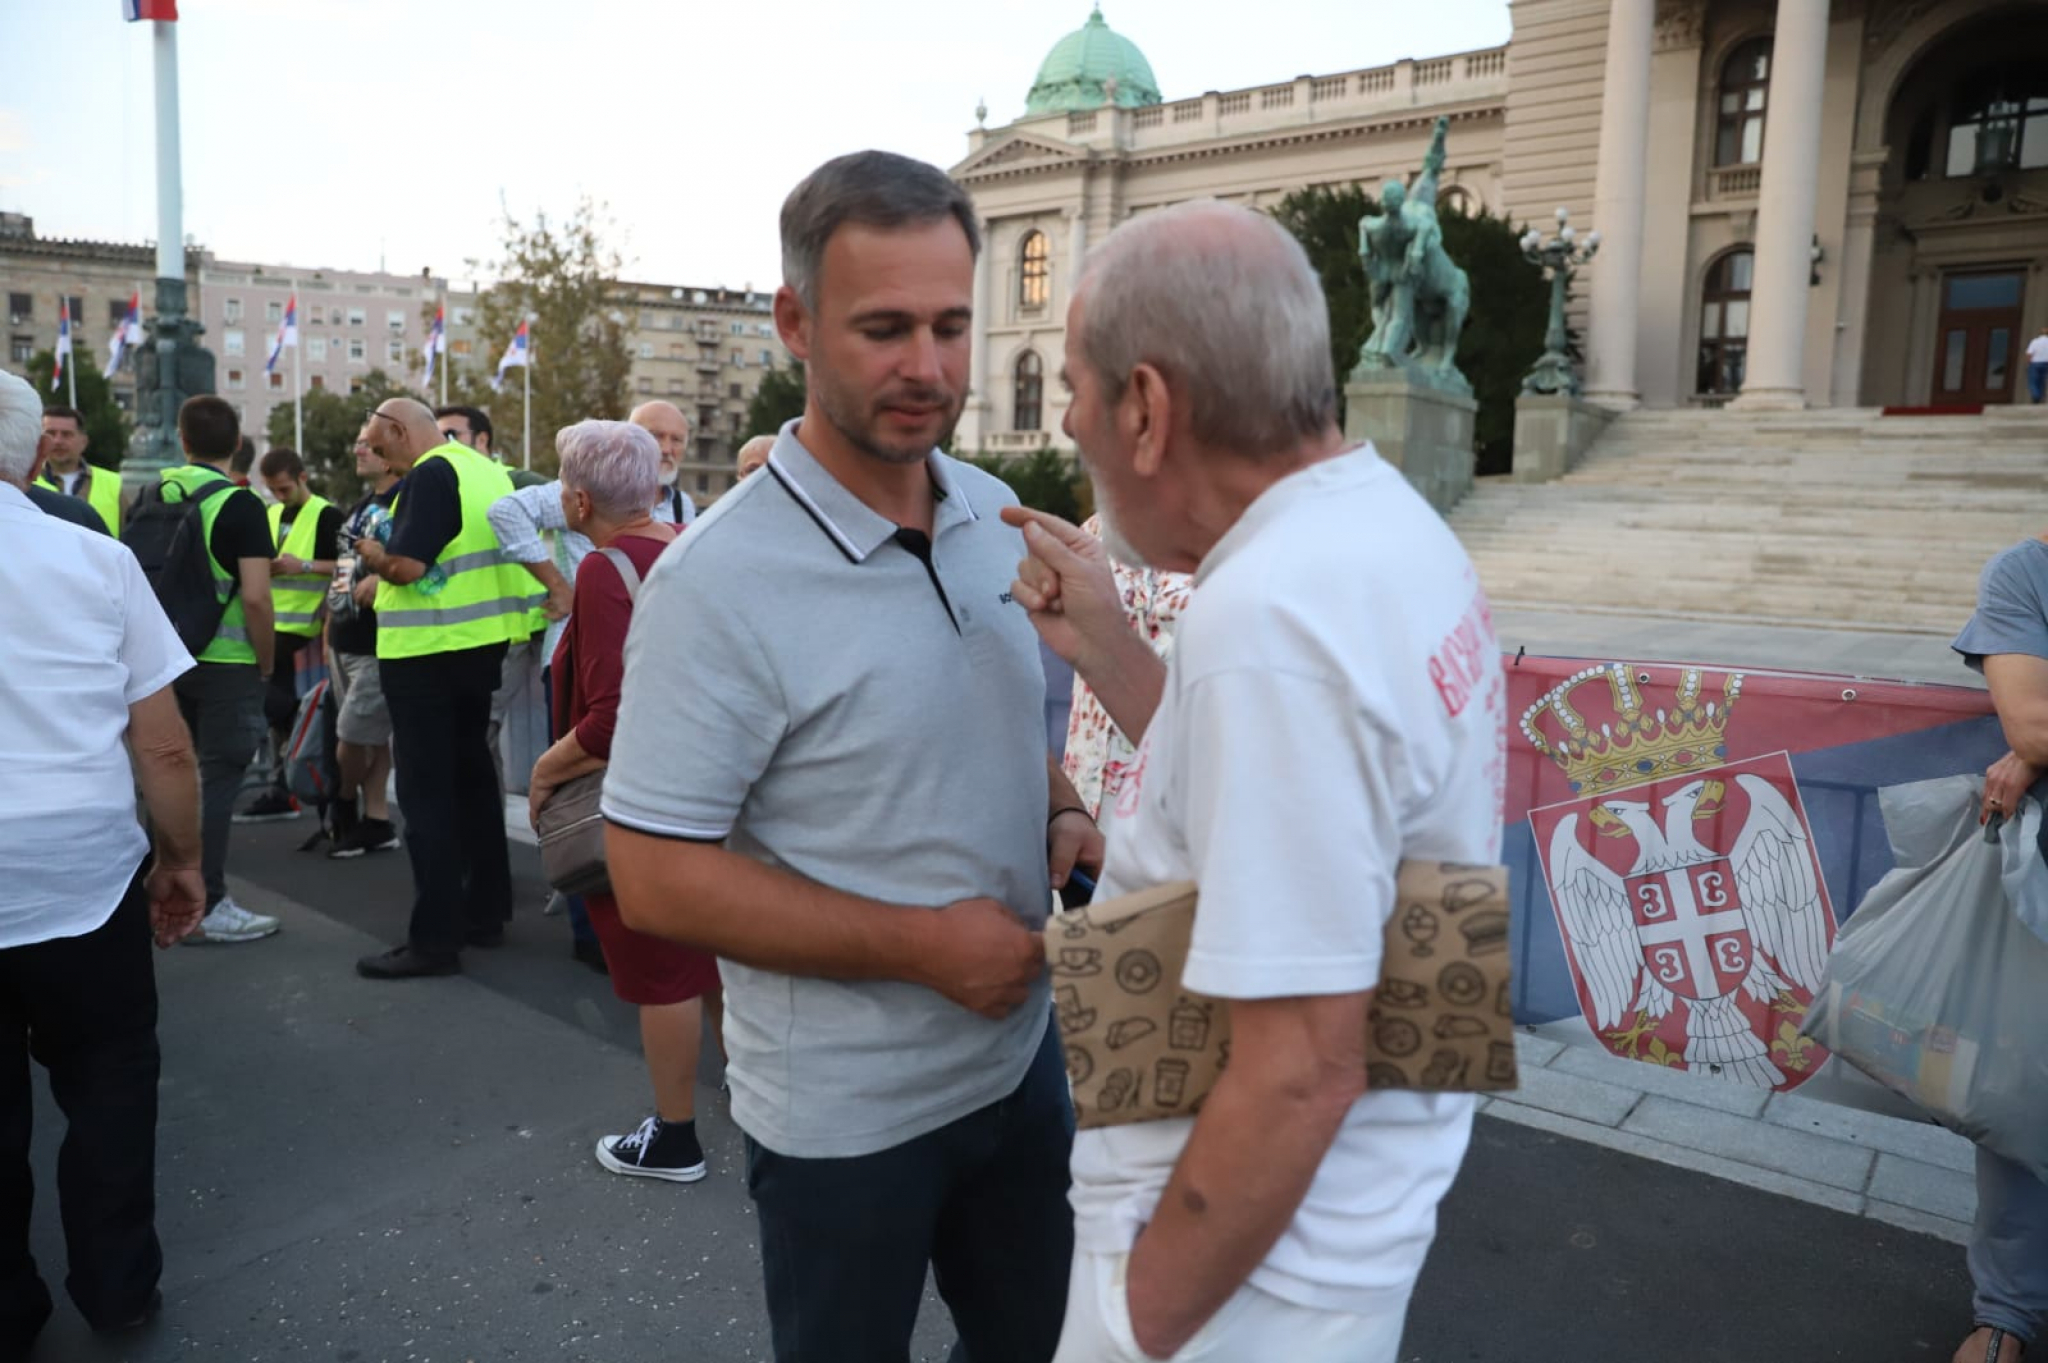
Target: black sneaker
point(664, 1150)
point(403, 963)
point(378, 835)
point(269, 807)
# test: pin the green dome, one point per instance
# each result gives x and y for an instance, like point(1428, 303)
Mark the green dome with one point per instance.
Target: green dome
point(1075, 74)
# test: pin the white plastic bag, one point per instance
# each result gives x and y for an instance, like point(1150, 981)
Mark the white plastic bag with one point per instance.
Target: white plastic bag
point(1938, 984)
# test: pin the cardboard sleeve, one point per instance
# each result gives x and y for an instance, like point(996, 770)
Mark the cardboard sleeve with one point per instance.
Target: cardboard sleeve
point(1141, 1048)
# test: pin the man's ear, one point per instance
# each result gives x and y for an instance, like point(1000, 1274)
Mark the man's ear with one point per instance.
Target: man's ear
point(1150, 414)
point(793, 322)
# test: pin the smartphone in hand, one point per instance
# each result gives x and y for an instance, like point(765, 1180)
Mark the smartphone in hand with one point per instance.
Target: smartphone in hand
point(1079, 889)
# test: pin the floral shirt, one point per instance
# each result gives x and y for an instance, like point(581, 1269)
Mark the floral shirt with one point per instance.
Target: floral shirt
point(1098, 754)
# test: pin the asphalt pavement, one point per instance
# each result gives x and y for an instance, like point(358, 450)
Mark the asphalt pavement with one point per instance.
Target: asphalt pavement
point(353, 1171)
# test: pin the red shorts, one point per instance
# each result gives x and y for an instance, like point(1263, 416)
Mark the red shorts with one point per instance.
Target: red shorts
point(648, 970)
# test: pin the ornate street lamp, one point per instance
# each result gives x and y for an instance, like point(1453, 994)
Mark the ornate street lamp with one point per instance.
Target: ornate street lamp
point(1562, 255)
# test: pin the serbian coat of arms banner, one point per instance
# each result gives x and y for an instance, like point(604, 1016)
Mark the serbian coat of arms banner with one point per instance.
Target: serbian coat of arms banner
point(1685, 841)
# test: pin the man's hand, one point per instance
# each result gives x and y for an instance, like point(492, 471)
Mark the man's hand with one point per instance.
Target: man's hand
point(1066, 585)
point(365, 593)
point(177, 901)
point(983, 958)
point(561, 600)
point(287, 565)
point(1071, 840)
point(2005, 781)
point(371, 552)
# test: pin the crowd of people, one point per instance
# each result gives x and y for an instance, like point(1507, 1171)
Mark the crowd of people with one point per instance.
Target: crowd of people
point(834, 831)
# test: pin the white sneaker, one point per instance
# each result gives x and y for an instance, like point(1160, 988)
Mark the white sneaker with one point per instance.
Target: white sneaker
point(230, 922)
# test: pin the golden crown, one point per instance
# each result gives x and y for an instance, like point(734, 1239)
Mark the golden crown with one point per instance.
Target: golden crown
point(1635, 747)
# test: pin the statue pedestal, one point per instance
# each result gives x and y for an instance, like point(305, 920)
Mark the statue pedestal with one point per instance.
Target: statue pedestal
point(1423, 431)
point(1553, 431)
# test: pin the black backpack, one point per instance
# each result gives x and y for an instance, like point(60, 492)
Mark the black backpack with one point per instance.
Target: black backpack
point(168, 537)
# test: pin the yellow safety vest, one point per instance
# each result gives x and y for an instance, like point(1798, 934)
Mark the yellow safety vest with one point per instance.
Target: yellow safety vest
point(481, 600)
point(231, 640)
point(101, 492)
point(297, 597)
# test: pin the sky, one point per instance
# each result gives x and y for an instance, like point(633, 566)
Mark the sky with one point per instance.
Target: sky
point(344, 133)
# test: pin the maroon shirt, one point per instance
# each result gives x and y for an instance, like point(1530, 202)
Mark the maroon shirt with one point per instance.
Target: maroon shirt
point(591, 657)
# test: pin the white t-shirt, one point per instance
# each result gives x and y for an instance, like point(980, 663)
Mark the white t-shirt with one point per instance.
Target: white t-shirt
point(2037, 350)
point(1336, 704)
point(84, 638)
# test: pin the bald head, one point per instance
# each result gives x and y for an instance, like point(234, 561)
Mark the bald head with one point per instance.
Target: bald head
point(753, 454)
point(1223, 303)
point(402, 430)
point(671, 431)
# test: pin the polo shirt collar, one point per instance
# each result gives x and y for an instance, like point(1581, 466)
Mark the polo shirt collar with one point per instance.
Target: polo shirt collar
point(855, 528)
point(1313, 483)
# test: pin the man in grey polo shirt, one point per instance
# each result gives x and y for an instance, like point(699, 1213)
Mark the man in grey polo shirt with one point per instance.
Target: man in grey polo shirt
point(830, 769)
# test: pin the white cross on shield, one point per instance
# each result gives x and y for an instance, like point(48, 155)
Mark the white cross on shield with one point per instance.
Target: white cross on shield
point(1689, 922)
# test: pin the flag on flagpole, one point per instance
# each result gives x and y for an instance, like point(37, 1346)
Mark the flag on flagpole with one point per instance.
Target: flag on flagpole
point(287, 334)
point(437, 344)
point(63, 342)
point(127, 332)
point(135, 10)
point(515, 356)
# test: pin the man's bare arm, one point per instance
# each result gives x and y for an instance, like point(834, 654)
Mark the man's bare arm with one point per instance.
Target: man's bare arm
point(974, 952)
point(258, 615)
point(1296, 1067)
point(167, 772)
point(2019, 688)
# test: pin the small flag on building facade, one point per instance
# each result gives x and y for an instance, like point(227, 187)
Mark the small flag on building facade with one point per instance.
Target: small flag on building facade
point(135, 11)
point(287, 334)
point(127, 332)
point(63, 343)
point(515, 356)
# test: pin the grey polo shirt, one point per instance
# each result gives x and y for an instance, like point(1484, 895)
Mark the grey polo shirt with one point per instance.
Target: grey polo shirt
point(804, 685)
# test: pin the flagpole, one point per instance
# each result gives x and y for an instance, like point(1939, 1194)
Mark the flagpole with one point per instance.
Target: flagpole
point(71, 360)
point(298, 388)
point(526, 405)
point(441, 355)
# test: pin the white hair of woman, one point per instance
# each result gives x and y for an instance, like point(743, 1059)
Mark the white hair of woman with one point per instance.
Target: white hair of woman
point(614, 463)
point(21, 428)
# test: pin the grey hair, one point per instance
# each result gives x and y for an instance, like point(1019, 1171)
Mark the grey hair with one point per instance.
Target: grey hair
point(873, 189)
point(21, 428)
point(615, 462)
point(1224, 303)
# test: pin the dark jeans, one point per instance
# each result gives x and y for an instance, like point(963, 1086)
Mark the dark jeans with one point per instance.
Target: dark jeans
point(281, 702)
point(983, 1201)
point(85, 1008)
point(223, 707)
point(448, 792)
point(2037, 381)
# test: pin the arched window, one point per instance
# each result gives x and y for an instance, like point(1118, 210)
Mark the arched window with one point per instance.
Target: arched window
point(1745, 81)
point(2000, 121)
point(1724, 322)
point(1034, 276)
point(1030, 375)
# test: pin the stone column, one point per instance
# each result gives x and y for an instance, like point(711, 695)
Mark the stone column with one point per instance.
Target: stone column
point(1785, 207)
point(1618, 207)
point(1077, 248)
point(976, 414)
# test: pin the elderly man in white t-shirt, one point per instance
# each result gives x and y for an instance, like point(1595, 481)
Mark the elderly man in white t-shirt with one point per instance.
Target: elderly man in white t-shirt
point(87, 716)
point(1293, 752)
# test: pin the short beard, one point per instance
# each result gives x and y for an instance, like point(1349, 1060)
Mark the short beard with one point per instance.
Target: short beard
point(1118, 548)
point(862, 438)
point(667, 477)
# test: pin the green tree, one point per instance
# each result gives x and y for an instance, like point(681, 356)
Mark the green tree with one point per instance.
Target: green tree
point(332, 420)
point(779, 399)
point(564, 276)
point(1510, 301)
point(107, 427)
point(1043, 480)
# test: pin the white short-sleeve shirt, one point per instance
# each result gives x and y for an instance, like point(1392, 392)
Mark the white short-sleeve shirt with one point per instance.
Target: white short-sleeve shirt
point(83, 638)
point(1335, 705)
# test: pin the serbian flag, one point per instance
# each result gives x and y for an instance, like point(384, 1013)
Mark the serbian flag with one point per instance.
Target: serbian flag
point(127, 332)
point(515, 356)
point(136, 10)
point(287, 333)
point(437, 343)
point(63, 342)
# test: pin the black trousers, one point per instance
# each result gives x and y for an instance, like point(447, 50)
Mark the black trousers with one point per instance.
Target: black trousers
point(85, 1008)
point(448, 792)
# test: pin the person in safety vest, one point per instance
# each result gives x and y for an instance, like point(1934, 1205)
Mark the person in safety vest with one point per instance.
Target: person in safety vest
point(65, 469)
point(305, 531)
point(448, 604)
point(222, 698)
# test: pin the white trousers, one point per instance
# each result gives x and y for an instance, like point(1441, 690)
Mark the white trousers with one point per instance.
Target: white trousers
point(1252, 1327)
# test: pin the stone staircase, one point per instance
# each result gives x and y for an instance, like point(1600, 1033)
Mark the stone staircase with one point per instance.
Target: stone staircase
point(1836, 519)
